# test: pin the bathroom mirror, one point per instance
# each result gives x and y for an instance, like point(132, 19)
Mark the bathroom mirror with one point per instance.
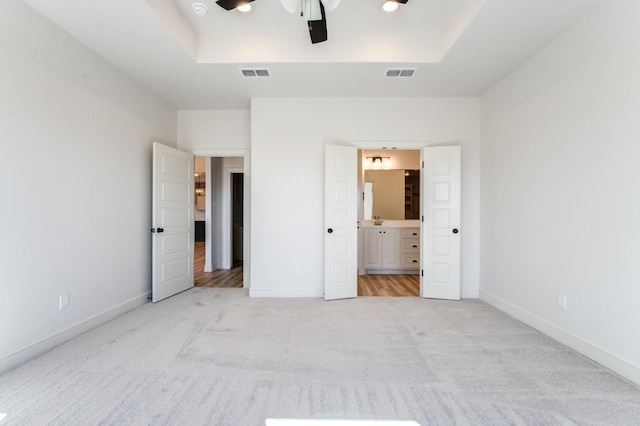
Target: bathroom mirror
point(392, 194)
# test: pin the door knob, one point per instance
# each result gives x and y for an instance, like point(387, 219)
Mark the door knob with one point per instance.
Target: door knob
point(455, 230)
point(330, 230)
point(160, 230)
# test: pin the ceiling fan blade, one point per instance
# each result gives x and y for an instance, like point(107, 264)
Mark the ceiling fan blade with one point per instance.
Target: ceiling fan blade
point(231, 4)
point(318, 29)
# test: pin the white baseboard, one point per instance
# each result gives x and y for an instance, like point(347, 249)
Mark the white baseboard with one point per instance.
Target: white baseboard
point(591, 350)
point(20, 357)
point(286, 292)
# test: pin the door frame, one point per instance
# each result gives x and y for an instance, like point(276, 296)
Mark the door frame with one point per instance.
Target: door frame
point(245, 153)
point(390, 145)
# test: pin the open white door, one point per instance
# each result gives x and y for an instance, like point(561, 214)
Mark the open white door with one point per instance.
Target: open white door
point(172, 218)
point(441, 223)
point(341, 223)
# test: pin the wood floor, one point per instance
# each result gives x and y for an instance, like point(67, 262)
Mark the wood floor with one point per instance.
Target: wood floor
point(389, 285)
point(218, 278)
point(368, 285)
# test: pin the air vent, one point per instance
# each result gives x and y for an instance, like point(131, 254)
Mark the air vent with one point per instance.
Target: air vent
point(262, 72)
point(401, 72)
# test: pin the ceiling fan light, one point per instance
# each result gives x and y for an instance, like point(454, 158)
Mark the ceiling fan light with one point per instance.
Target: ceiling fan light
point(390, 6)
point(246, 7)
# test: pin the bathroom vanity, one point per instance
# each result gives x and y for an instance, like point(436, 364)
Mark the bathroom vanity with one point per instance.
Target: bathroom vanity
point(391, 247)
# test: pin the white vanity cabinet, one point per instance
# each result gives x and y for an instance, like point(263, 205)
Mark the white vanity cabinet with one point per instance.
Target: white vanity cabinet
point(410, 248)
point(391, 249)
point(381, 247)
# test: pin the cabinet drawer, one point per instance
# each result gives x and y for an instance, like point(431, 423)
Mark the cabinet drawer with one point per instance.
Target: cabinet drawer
point(411, 262)
point(411, 246)
point(410, 233)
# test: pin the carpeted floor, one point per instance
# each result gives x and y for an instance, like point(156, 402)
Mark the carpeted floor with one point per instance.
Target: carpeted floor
point(217, 357)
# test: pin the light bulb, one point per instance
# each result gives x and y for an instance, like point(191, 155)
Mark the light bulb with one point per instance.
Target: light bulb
point(390, 6)
point(244, 7)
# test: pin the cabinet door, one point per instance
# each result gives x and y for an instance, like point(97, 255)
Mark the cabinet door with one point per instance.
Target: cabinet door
point(391, 249)
point(372, 248)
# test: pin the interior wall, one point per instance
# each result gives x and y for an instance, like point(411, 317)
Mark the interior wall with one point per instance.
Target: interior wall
point(76, 138)
point(289, 136)
point(560, 177)
point(209, 129)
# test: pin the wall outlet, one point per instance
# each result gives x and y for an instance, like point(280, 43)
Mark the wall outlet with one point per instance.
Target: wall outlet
point(64, 300)
point(298, 270)
point(562, 302)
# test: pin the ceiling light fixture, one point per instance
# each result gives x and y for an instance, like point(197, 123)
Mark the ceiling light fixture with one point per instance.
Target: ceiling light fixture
point(199, 9)
point(234, 4)
point(392, 5)
point(244, 7)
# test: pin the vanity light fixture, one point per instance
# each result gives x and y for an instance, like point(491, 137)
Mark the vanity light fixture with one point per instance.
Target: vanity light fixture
point(377, 162)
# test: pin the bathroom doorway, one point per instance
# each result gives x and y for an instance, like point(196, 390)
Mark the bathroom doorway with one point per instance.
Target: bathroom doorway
point(389, 226)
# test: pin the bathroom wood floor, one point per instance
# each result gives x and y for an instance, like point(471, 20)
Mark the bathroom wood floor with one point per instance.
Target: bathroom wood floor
point(389, 285)
point(368, 285)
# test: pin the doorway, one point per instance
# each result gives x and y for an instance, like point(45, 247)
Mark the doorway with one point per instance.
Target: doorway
point(218, 261)
point(389, 232)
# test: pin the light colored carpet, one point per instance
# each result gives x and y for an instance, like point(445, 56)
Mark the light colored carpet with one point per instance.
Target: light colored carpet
point(217, 357)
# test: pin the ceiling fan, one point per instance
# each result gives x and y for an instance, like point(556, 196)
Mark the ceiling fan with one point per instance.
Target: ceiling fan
point(313, 10)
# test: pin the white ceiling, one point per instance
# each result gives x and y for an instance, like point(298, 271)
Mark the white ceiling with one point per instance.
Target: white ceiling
point(460, 47)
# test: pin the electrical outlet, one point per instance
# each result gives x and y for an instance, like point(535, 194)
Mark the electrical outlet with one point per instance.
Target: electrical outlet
point(64, 300)
point(562, 302)
point(298, 270)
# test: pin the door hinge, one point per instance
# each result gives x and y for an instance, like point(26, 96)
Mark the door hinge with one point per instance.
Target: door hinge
point(422, 218)
point(423, 164)
point(422, 272)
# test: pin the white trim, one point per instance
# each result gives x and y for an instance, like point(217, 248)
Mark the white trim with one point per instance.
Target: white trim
point(208, 213)
point(391, 145)
point(39, 348)
point(589, 349)
point(286, 292)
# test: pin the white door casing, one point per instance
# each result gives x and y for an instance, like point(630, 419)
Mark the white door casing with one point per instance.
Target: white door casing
point(441, 223)
point(340, 220)
point(172, 221)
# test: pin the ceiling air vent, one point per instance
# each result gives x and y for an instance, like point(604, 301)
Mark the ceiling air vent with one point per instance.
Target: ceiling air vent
point(262, 72)
point(400, 72)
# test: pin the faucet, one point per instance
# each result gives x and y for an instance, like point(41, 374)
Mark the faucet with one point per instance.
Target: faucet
point(377, 221)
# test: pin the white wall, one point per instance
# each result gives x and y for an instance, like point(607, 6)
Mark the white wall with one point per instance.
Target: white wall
point(287, 177)
point(75, 136)
point(209, 129)
point(560, 177)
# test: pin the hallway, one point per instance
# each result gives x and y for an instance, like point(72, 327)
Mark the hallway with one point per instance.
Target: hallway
point(220, 278)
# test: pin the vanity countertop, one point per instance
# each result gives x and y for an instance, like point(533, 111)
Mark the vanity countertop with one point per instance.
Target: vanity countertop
point(410, 223)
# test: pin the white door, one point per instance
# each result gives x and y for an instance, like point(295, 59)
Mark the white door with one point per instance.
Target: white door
point(172, 221)
point(341, 223)
point(441, 223)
